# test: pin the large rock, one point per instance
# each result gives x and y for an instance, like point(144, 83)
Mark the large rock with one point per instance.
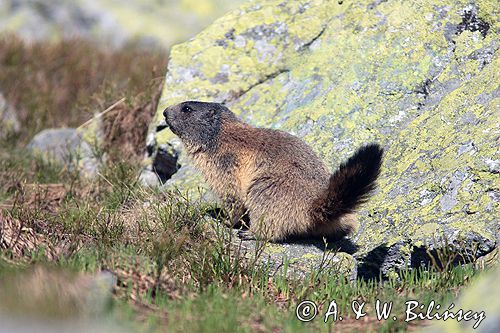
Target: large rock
point(110, 21)
point(419, 77)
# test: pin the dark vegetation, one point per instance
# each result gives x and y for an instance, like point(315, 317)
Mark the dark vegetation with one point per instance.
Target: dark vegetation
point(175, 268)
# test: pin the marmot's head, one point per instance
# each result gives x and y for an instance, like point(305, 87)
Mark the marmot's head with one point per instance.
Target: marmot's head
point(197, 123)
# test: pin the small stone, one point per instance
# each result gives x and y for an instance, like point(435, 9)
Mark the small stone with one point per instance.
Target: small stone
point(9, 124)
point(66, 147)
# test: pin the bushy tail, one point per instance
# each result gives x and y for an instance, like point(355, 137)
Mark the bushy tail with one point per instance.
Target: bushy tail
point(351, 184)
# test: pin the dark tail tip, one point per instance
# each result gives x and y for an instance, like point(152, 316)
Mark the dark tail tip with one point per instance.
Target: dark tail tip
point(368, 160)
point(353, 182)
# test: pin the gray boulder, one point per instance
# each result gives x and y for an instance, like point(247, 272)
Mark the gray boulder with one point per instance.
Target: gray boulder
point(65, 146)
point(421, 78)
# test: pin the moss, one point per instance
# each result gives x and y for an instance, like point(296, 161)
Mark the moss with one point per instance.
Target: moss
point(274, 248)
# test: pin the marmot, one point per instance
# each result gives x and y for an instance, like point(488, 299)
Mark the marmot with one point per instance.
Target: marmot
point(275, 177)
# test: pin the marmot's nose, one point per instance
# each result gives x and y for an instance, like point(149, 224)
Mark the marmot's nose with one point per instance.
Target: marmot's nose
point(165, 113)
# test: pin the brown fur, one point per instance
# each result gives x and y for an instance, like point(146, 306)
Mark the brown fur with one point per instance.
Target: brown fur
point(273, 175)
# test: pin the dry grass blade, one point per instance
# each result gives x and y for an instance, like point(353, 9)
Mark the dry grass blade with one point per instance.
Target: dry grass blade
point(101, 114)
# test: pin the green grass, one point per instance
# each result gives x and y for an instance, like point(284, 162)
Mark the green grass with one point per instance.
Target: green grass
point(174, 265)
point(176, 271)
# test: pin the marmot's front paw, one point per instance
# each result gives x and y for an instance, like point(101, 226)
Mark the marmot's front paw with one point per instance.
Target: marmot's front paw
point(246, 235)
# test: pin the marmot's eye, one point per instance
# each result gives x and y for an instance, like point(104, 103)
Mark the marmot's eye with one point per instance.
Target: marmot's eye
point(186, 109)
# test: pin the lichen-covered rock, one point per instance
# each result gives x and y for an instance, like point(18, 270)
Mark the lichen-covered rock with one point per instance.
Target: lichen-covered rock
point(66, 146)
point(9, 124)
point(110, 21)
point(419, 77)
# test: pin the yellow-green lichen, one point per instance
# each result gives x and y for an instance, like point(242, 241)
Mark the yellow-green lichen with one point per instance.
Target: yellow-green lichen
point(274, 248)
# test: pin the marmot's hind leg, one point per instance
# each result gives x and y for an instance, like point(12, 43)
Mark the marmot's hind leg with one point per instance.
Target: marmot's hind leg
point(268, 227)
point(275, 213)
point(236, 213)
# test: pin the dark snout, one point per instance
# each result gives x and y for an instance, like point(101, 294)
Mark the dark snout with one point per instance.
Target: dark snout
point(168, 113)
point(163, 124)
